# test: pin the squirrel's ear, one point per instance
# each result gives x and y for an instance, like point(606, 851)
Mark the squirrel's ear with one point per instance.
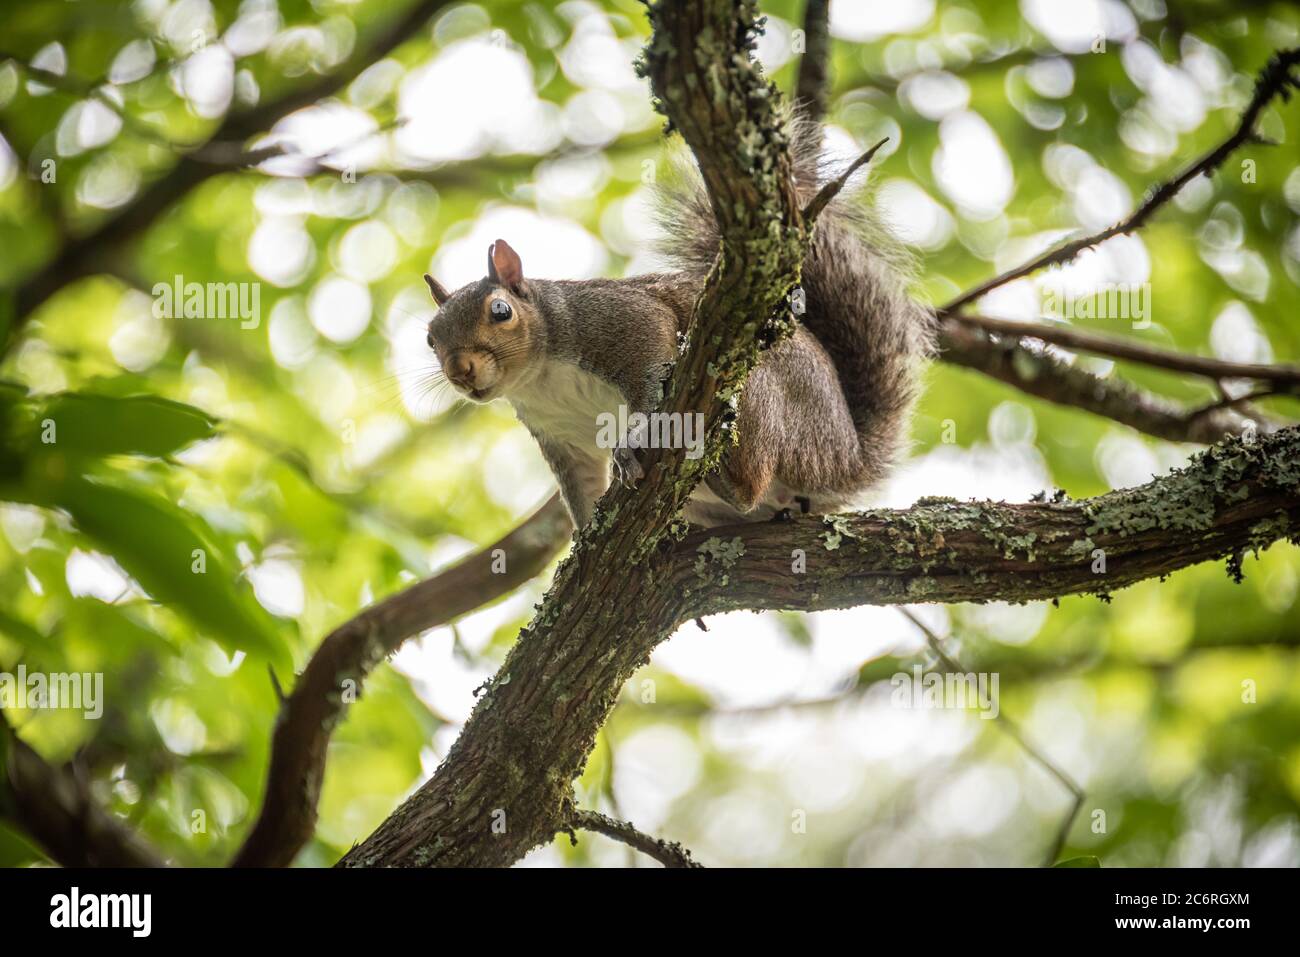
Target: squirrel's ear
point(440, 294)
point(504, 266)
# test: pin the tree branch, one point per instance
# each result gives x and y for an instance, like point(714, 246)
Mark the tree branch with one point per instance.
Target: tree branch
point(1047, 377)
point(1232, 498)
point(812, 90)
point(506, 783)
point(84, 254)
point(333, 677)
point(1274, 80)
point(55, 807)
point(667, 853)
point(1084, 340)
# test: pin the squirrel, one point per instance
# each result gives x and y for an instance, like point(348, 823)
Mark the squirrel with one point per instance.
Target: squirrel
point(821, 418)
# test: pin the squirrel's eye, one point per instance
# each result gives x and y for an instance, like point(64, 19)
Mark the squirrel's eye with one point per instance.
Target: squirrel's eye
point(428, 337)
point(501, 310)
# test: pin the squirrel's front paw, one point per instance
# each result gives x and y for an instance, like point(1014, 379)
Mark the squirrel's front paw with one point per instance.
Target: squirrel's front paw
point(627, 470)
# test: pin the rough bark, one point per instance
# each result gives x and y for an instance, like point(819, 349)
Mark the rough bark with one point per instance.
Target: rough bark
point(506, 784)
point(1232, 498)
point(338, 668)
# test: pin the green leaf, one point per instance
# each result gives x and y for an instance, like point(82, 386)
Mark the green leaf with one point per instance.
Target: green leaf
point(21, 632)
point(171, 554)
point(1086, 861)
point(95, 425)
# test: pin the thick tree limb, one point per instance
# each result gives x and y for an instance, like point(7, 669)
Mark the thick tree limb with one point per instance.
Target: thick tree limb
point(1232, 498)
point(507, 781)
point(299, 749)
point(1275, 79)
point(337, 669)
point(85, 254)
point(667, 853)
point(1047, 377)
point(54, 806)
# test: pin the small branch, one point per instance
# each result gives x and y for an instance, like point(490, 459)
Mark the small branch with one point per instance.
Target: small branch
point(1047, 377)
point(76, 87)
point(1274, 80)
point(334, 675)
point(1236, 402)
point(235, 156)
point(812, 89)
point(832, 189)
point(1012, 730)
point(1083, 340)
point(54, 806)
point(667, 853)
point(84, 254)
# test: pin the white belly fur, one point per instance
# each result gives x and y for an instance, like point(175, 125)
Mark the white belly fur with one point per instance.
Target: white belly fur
point(563, 403)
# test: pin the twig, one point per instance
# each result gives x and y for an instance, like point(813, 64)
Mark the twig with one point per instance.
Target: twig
point(667, 853)
point(812, 89)
point(1235, 402)
point(1012, 730)
point(82, 255)
point(1084, 340)
point(275, 685)
point(831, 189)
point(1048, 377)
point(76, 87)
point(1274, 80)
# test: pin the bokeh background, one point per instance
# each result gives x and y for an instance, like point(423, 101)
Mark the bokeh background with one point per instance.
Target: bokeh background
point(324, 472)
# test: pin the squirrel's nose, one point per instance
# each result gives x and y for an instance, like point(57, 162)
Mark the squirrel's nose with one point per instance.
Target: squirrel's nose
point(463, 370)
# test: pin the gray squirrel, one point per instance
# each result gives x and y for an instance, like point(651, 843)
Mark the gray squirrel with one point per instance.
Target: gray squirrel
point(821, 418)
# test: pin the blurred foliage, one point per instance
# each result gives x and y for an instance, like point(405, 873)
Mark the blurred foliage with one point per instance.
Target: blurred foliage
point(191, 502)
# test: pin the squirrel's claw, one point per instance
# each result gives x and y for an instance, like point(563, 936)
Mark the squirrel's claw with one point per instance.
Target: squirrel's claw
point(627, 470)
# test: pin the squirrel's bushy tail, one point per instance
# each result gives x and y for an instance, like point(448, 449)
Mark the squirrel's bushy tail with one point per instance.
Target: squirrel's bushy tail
point(854, 279)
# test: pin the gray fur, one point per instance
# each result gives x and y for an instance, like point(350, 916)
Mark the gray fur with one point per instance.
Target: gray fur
point(823, 415)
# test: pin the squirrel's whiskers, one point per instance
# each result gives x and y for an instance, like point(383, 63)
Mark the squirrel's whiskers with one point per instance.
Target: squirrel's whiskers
point(822, 417)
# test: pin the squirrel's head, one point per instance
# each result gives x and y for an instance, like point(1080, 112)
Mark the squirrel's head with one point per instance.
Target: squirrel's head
point(485, 334)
